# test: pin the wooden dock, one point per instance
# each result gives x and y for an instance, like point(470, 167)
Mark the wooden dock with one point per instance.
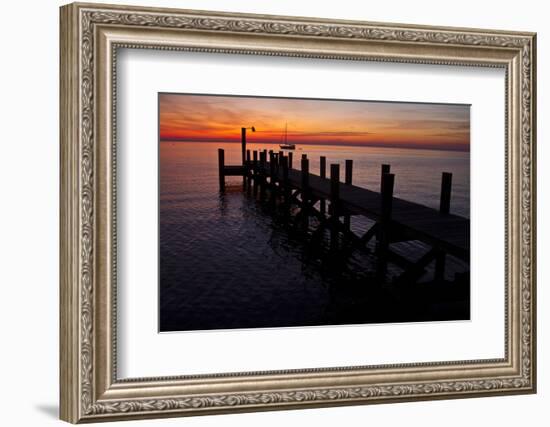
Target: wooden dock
point(333, 203)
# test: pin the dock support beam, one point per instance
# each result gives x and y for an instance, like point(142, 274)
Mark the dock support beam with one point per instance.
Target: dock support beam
point(323, 174)
point(243, 143)
point(445, 199)
point(290, 160)
point(385, 219)
point(272, 176)
point(305, 192)
point(334, 201)
point(348, 180)
point(444, 209)
point(221, 168)
point(285, 183)
point(261, 173)
point(246, 170)
point(255, 172)
point(385, 169)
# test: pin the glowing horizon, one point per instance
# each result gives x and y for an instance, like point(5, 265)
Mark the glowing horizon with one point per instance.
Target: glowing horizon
point(213, 118)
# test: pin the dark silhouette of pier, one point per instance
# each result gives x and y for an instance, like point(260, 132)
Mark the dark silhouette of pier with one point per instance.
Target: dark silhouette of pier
point(332, 203)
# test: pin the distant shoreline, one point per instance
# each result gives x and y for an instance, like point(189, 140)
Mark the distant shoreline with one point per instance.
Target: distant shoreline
point(373, 144)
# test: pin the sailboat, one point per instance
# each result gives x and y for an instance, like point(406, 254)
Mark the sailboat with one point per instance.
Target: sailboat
point(286, 145)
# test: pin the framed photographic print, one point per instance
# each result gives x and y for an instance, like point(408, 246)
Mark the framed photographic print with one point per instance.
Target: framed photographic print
point(266, 212)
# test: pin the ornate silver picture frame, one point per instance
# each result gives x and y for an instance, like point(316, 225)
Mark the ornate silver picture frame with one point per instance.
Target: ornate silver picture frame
point(91, 37)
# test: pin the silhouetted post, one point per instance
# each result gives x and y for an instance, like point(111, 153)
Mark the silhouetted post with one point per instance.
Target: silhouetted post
point(334, 201)
point(248, 166)
point(385, 169)
point(261, 174)
point(254, 161)
point(290, 160)
point(445, 199)
point(349, 171)
point(304, 156)
point(323, 174)
point(221, 168)
point(444, 209)
point(255, 171)
point(286, 185)
point(348, 179)
point(386, 193)
point(305, 192)
point(243, 143)
point(272, 166)
point(265, 169)
point(272, 173)
point(280, 155)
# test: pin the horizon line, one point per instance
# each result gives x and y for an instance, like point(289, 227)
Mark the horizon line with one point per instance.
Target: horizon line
point(346, 144)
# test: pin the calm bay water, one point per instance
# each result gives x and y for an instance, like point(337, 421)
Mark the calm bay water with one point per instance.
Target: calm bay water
point(224, 263)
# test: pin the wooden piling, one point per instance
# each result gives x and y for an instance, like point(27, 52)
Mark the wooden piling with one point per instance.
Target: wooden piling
point(348, 180)
point(221, 167)
point(261, 172)
point(254, 160)
point(247, 166)
point(388, 180)
point(385, 169)
point(323, 174)
point(272, 168)
point(349, 171)
point(444, 209)
point(445, 198)
point(290, 160)
point(243, 143)
point(334, 201)
point(285, 182)
point(255, 171)
point(304, 156)
point(305, 174)
point(305, 192)
point(386, 193)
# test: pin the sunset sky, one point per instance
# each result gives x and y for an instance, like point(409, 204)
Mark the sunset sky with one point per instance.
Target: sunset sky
point(219, 119)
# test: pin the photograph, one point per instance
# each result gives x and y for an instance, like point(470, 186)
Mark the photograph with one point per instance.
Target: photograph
point(299, 212)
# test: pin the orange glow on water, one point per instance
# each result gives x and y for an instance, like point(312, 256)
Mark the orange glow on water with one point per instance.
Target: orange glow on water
point(219, 119)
